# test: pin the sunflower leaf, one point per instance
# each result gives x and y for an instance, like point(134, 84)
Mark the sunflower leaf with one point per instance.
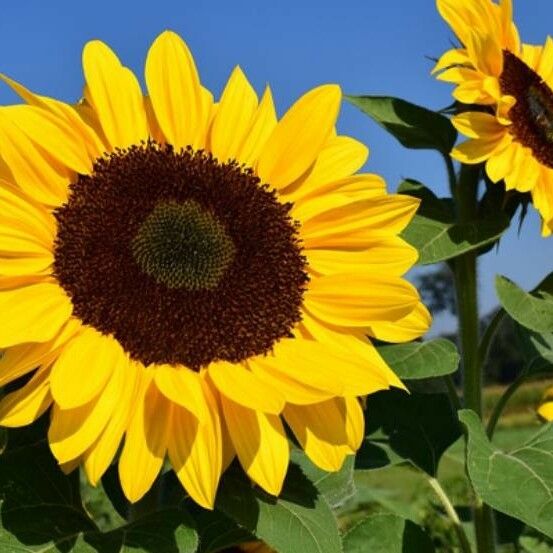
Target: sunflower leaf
point(421, 359)
point(412, 125)
point(518, 483)
point(437, 235)
point(300, 519)
point(415, 428)
point(336, 487)
point(41, 510)
point(387, 533)
point(533, 310)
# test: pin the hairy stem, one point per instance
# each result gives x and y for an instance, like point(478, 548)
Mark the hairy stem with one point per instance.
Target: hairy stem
point(452, 514)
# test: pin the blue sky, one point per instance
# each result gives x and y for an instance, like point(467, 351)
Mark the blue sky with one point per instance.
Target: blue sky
point(367, 46)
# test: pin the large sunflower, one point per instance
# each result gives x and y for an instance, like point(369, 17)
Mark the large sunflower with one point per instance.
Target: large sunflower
point(515, 137)
point(188, 274)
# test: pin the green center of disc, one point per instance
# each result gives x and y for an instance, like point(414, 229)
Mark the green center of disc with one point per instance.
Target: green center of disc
point(541, 108)
point(182, 245)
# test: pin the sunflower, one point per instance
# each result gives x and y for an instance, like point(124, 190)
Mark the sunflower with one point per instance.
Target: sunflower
point(515, 137)
point(188, 275)
point(545, 408)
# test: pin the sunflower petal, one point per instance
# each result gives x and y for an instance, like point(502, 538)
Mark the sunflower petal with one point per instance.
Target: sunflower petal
point(115, 94)
point(175, 91)
point(25, 405)
point(99, 456)
point(33, 313)
point(190, 444)
point(145, 443)
point(234, 116)
point(183, 387)
point(321, 431)
point(245, 388)
point(83, 368)
point(299, 136)
point(260, 443)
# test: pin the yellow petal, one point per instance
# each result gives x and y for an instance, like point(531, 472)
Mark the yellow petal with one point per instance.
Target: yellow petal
point(33, 171)
point(478, 125)
point(321, 431)
point(182, 386)
point(451, 58)
point(263, 123)
point(53, 135)
point(355, 423)
point(357, 346)
point(234, 116)
point(340, 157)
point(33, 313)
point(19, 360)
point(67, 112)
point(100, 455)
point(299, 136)
point(245, 388)
point(391, 256)
point(196, 452)
point(501, 164)
point(385, 215)
point(73, 431)
point(356, 300)
point(260, 443)
point(175, 91)
point(477, 150)
point(293, 390)
point(145, 442)
point(83, 368)
point(115, 95)
point(408, 328)
point(25, 405)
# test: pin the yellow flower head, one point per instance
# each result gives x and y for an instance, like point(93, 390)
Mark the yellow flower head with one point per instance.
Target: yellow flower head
point(545, 409)
point(188, 274)
point(515, 135)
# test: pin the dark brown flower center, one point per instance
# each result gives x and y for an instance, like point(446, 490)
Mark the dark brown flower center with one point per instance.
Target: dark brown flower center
point(532, 114)
point(182, 259)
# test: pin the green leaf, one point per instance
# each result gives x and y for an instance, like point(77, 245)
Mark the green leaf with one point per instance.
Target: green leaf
point(336, 487)
point(217, 531)
point(414, 126)
point(387, 534)
point(437, 235)
point(416, 427)
point(531, 544)
point(42, 511)
point(300, 520)
point(421, 359)
point(518, 483)
point(534, 309)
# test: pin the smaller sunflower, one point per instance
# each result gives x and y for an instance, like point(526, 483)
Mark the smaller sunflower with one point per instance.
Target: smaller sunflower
point(513, 81)
point(545, 409)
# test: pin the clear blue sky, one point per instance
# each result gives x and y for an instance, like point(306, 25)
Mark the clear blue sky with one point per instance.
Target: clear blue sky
point(367, 46)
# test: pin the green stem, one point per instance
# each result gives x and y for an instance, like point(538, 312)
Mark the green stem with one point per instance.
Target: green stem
point(500, 405)
point(452, 514)
point(465, 272)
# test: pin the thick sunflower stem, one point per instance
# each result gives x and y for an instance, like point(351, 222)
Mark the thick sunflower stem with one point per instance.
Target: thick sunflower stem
point(466, 286)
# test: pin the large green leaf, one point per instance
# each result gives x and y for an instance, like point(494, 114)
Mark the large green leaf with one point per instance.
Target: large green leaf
point(336, 487)
point(299, 520)
point(421, 359)
point(534, 309)
point(386, 533)
point(401, 427)
point(41, 511)
point(414, 126)
point(518, 483)
point(437, 235)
